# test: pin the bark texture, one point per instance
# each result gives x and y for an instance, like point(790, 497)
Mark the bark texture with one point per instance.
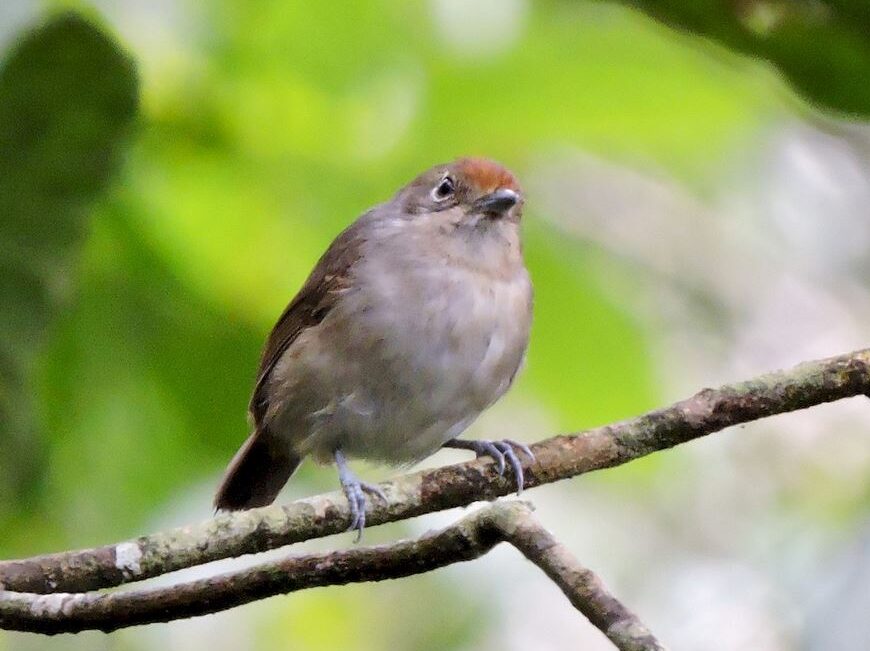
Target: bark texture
point(52, 593)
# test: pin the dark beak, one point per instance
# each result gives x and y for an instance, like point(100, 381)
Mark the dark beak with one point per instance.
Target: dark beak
point(496, 203)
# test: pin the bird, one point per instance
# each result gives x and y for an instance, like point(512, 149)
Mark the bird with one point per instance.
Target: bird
point(414, 321)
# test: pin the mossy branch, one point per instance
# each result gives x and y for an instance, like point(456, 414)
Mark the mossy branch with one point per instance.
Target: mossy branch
point(470, 538)
point(561, 457)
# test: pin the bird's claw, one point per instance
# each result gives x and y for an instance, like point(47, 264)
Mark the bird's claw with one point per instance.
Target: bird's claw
point(525, 449)
point(354, 490)
point(499, 451)
point(494, 450)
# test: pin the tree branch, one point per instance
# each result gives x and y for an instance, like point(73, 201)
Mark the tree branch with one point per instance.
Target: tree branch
point(561, 457)
point(468, 539)
point(584, 589)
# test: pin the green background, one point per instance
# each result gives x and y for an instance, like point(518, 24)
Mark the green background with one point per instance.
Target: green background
point(163, 195)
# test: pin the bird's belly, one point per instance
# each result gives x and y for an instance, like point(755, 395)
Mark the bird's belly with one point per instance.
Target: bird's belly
point(415, 371)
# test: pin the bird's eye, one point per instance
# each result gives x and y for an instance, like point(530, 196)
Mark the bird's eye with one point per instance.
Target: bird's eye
point(443, 190)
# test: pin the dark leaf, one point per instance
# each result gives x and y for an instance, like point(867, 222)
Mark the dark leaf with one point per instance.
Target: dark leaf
point(68, 95)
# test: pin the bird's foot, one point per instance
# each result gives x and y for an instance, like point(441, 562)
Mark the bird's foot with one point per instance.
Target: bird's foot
point(500, 451)
point(354, 490)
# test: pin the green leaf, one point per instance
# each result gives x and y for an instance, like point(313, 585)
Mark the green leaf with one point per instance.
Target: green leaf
point(821, 48)
point(68, 95)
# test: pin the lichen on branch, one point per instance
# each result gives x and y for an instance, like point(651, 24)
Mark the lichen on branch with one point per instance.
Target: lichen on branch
point(52, 593)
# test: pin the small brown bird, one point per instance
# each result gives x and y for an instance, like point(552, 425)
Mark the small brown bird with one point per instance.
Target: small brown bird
point(414, 321)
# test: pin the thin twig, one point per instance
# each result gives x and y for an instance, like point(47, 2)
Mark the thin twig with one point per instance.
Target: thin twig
point(470, 538)
point(584, 589)
point(561, 457)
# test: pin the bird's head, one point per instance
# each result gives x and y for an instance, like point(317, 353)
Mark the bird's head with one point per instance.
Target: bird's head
point(467, 192)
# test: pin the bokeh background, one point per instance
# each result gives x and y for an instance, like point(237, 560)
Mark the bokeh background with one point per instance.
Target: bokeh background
point(698, 180)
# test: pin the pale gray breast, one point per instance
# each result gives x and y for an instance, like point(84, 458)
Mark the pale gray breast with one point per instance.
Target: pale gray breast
point(451, 333)
point(411, 354)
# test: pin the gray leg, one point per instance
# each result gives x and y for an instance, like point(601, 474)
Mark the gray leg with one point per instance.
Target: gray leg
point(499, 451)
point(355, 491)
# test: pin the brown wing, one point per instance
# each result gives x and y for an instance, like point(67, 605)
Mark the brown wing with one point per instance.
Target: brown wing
point(308, 308)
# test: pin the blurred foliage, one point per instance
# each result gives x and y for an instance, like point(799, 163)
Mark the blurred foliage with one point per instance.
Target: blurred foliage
point(821, 46)
point(67, 96)
point(264, 129)
point(268, 129)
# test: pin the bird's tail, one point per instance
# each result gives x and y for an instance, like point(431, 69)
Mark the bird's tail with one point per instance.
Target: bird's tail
point(256, 474)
